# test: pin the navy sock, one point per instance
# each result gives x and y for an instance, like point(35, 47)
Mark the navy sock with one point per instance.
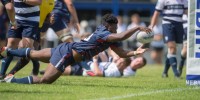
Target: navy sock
point(36, 66)
point(24, 52)
point(173, 63)
point(182, 62)
point(4, 64)
point(25, 80)
point(167, 66)
point(20, 64)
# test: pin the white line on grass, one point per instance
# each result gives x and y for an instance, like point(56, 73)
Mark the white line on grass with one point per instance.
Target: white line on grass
point(146, 93)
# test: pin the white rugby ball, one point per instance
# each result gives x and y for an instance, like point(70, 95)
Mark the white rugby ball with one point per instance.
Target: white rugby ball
point(144, 37)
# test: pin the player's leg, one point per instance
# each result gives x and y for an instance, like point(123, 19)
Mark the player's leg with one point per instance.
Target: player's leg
point(28, 34)
point(14, 36)
point(183, 52)
point(61, 58)
point(50, 75)
point(178, 39)
point(172, 57)
point(41, 55)
point(36, 64)
point(75, 69)
point(24, 61)
point(183, 58)
point(166, 28)
point(2, 39)
point(61, 29)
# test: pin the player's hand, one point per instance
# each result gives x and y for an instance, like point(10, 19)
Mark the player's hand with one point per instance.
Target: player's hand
point(140, 50)
point(146, 29)
point(95, 58)
point(77, 27)
point(151, 27)
point(14, 26)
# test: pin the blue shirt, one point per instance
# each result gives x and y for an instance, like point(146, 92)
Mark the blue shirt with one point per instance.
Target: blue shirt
point(95, 43)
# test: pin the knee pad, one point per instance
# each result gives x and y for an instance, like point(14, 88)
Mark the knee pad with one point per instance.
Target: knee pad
point(65, 36)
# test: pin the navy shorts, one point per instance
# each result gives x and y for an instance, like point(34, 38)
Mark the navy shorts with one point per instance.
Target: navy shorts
point(76, 69)
point(37, 36)
point(2, 35)
point(173, 32)
point(28, 31)
point(185, 34)
point(59, 24)
point(62, 56)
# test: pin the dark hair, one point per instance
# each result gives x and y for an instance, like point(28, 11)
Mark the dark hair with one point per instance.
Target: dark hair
point(144, 61)
point(110, 19)
point(128, 61)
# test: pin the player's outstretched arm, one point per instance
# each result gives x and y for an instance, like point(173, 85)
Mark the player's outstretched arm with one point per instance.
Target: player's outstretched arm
point(126, 34)
point(124, 54)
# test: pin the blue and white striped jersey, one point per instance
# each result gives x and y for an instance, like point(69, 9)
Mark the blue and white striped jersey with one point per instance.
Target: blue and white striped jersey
point(172, 10)
point(25, 12)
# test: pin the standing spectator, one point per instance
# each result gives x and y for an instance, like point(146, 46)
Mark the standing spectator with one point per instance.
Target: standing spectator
point(173, 11)
point(135, 21)
point(121, 26)
point(157, 45)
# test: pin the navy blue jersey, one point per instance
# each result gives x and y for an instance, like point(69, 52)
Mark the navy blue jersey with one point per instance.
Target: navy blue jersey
point(95, 43)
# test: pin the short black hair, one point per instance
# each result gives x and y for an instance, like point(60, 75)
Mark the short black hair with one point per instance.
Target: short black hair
point(110, 19)
point(144, 61)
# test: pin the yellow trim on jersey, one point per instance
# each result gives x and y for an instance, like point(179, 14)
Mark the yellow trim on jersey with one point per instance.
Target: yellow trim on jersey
point(45, 8)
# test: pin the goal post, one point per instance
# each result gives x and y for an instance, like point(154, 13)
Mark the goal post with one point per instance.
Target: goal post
point(193, 46)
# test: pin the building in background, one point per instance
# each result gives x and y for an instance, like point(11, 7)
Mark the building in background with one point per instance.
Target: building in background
point(94, 9)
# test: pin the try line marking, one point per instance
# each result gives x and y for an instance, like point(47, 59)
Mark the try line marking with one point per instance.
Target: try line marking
point(145, 93)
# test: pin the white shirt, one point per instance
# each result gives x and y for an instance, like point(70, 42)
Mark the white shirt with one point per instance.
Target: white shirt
point(108, 68)
point(172, 9)
point(128, 72)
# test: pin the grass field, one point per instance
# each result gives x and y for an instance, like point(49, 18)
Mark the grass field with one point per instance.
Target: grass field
point(146, 85)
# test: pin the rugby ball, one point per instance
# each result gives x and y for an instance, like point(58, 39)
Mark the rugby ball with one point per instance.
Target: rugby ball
point(144, 37)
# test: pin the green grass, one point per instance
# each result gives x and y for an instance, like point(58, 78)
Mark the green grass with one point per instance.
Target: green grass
point(146, 85)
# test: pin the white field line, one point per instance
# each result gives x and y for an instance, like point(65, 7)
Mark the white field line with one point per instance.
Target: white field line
point(145, 93)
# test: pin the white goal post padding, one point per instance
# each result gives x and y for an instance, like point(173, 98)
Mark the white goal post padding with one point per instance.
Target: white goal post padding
point(193, 40)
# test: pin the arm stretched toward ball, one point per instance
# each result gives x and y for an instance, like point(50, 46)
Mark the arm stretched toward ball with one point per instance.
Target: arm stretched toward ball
point(126, 34)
